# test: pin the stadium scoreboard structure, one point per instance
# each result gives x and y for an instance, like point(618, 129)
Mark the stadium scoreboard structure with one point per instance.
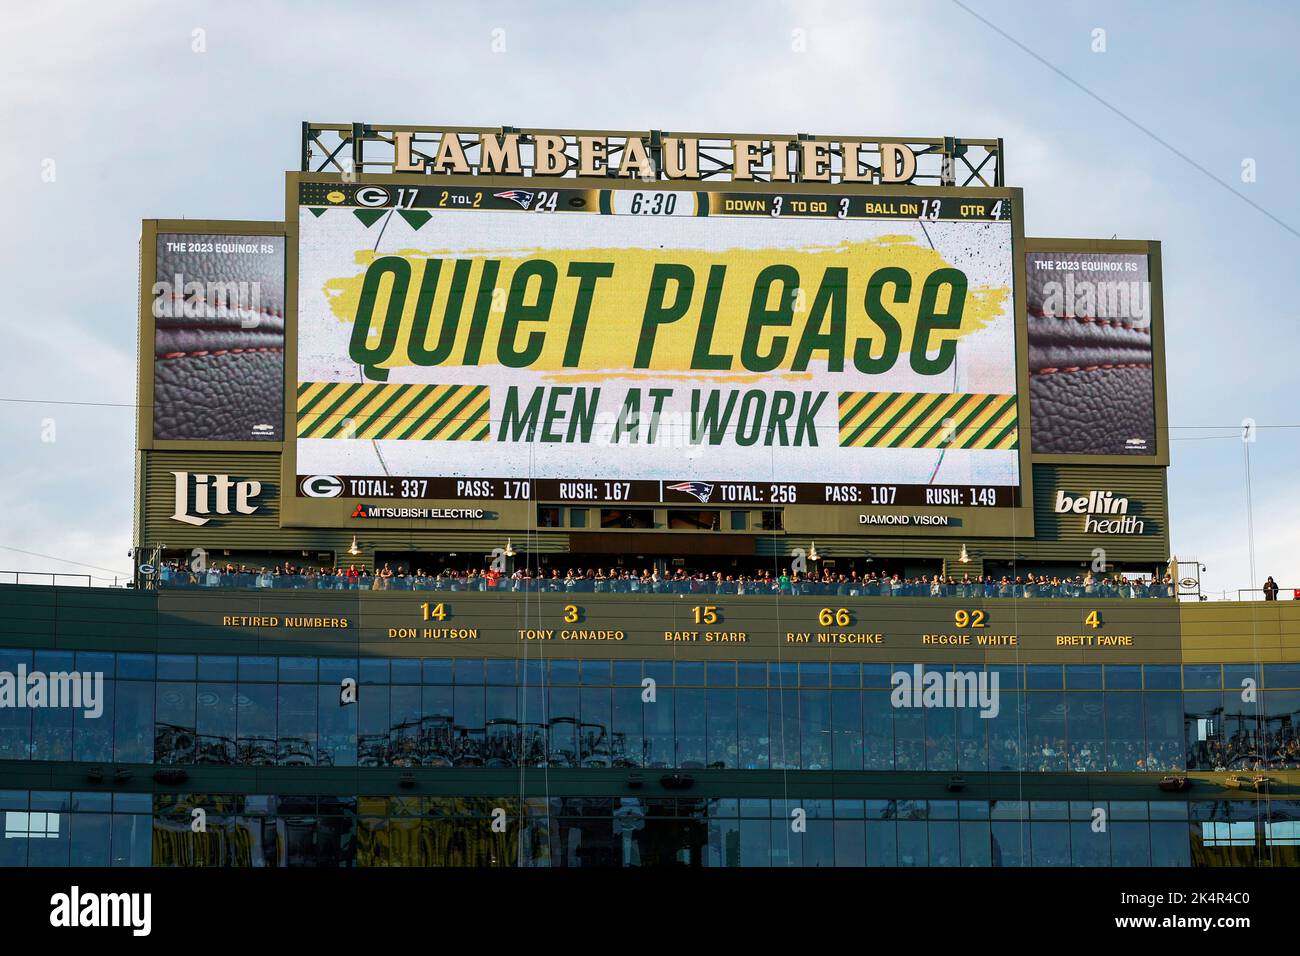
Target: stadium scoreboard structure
point(496, 330)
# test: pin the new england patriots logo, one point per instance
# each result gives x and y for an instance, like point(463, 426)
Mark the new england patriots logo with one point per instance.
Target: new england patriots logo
point(521, 196)
point(700, 489)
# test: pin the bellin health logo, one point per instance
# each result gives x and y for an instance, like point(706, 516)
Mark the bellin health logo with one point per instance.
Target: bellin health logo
point(1114, 511)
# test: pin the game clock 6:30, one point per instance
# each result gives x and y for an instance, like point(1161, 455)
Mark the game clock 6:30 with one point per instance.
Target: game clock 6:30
point(641, 202)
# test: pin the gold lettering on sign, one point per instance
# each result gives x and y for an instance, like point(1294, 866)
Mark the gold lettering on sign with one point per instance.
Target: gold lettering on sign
point(592, 635)
point(450, 634)
point(1094, 640)
point(897, 163)
point(781, 162)
point(636, 161)
point(850, 173)
point(501, 153)
point(270, 620)
point(450, 157)
point(815, 161)
point(548, 155)
point(592, 156)
point(748, 153)
point(404, 160)
point(726, 637)
point(836, 637)
point(681, 158)
point(589, 153)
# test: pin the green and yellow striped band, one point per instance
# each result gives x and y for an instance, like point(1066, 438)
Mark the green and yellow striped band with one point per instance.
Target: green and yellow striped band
point(927, 420)
point(400, 412)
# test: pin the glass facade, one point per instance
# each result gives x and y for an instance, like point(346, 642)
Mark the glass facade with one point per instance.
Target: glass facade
point(471, 712)
point(49, 828)
point(179, 710)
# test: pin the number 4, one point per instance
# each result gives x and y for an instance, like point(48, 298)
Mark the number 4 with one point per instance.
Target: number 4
point(1093, 619)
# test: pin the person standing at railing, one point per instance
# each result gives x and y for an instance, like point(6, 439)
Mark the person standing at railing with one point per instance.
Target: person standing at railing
point(1270, 589)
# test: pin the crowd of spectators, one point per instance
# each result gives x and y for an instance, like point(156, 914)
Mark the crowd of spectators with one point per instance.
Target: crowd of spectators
point(1274, 750)
point(676, 581)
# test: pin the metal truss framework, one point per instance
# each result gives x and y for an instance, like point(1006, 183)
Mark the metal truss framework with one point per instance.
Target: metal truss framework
point(350, 149)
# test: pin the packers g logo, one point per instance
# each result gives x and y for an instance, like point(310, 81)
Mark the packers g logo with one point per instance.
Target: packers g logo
point(322, 486)
point(372, 196)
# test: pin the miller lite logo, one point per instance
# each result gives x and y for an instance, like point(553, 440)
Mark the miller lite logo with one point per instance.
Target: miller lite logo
point(211, 495)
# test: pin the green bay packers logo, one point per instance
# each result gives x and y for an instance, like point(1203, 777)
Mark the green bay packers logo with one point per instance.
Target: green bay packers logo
point(372, 196)
point(322, 486)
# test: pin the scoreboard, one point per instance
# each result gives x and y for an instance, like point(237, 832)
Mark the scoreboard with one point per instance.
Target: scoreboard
point(462, 347)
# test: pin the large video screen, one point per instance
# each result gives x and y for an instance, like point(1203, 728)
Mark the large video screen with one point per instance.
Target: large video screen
point(218, 309)
point(640, 345)
point(1091, 360)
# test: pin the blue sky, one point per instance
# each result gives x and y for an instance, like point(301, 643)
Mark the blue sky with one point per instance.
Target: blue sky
point(141, 126)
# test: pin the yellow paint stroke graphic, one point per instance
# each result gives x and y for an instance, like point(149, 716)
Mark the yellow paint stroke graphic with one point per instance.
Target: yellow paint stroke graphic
point(619, 303)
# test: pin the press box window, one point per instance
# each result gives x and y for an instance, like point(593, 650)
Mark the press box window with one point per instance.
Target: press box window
point(627, 517)
point(20, 825)
point(774, 520)
point(1282, 833)
point(548, 517)
point(577, 517)
point(694, 520)
point(1222, 833)
point(739, 520)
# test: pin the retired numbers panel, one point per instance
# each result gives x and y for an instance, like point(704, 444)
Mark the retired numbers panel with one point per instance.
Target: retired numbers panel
point(696, 627)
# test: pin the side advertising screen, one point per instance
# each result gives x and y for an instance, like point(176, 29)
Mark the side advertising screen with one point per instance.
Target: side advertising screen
point(1092, 360)
point(218, 349)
